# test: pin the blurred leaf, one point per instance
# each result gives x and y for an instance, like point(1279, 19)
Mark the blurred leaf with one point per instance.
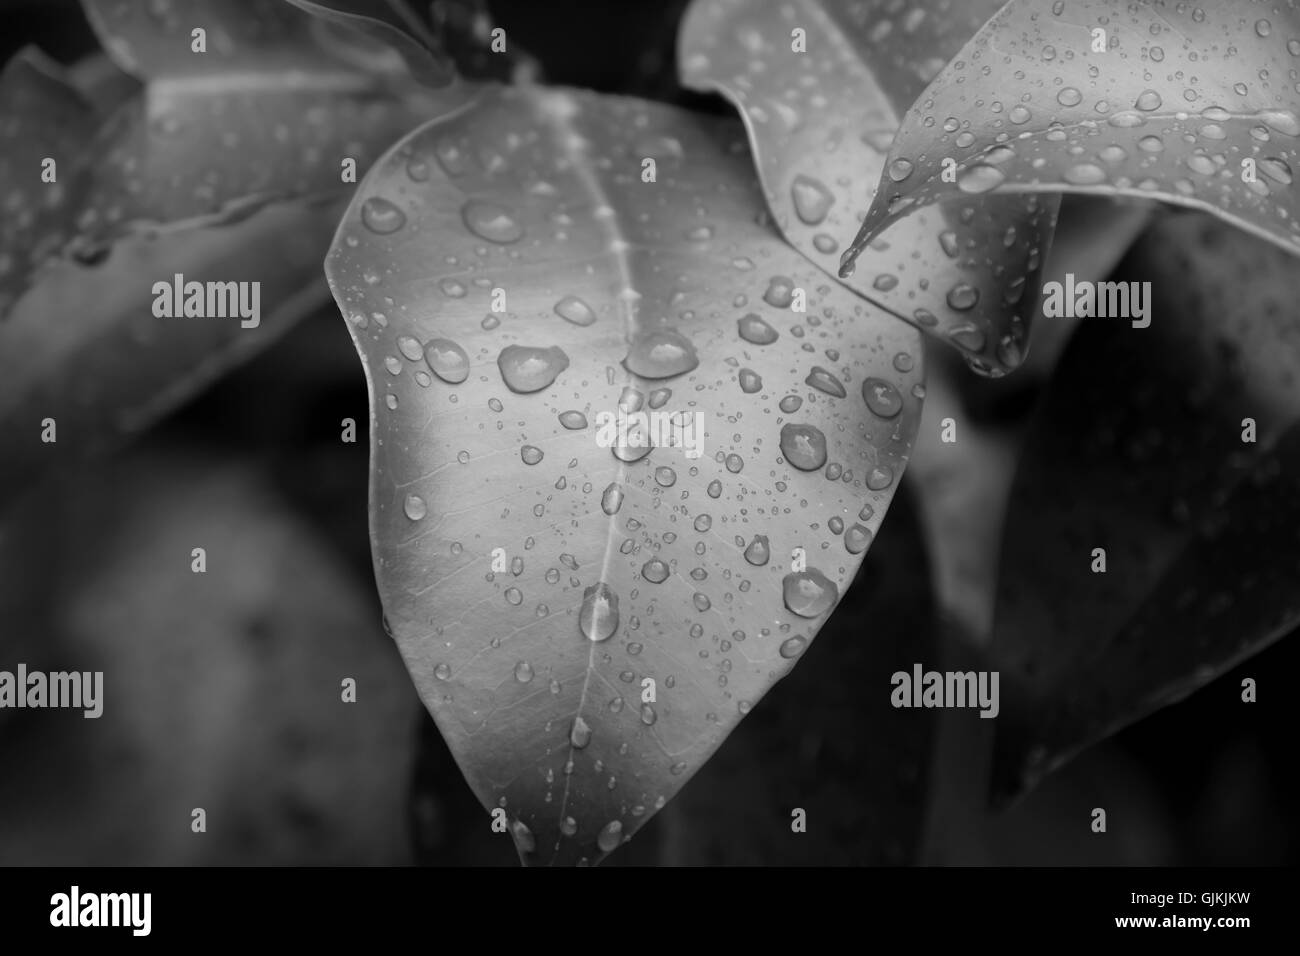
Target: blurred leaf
point(221, 690)
point(821, 122)
point(1181, 97)
point(1138, 450)
point(615, 290)
point(393, 23)
point(41, 115)
point(210, 140)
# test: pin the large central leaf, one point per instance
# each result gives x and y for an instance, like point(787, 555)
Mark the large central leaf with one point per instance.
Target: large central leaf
point(617, 571)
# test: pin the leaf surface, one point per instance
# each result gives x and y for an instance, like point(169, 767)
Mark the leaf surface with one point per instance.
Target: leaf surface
point(1181, 97)
point(1138, 450)
point(613, 567)
point(821, 123)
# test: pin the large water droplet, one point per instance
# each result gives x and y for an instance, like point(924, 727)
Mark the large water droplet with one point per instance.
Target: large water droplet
point(448, 360)
point(809, 593)
point(655, 571)
point(979, 178)
point(881, 397)
point(598, 616)
point(527, 369)
point(381, 216)
point(611, 835)
point(812, 200)
point(661, 353)
point(414, 507)
point(490, 221)
point(572, 309)
point(804, 446)
point(756, 331)
point(822, 380)
point(579, 734)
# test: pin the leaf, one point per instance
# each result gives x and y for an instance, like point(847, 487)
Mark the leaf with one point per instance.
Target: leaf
point(614, 290)
point(1181, 97)
point(394, 24)
point(207, 145)
point(41, 115)
point(1138, 450)
point(180, 154)
point(820, 123)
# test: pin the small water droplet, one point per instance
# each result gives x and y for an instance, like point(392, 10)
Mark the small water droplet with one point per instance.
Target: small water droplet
point(442, 671)
point(979, 178)
point(415, 507)
point(611, 835)
point(812, 200)
point(758, 552)
point(793, 646)
point(824, 381)
point(881, 397)
point(655, 571)
point(661, 353)
point(531, 454)
point(523, 672)
point(579, 734)
point(573, 420)
point(527, 369)
point(448, 360)
point(750, 382)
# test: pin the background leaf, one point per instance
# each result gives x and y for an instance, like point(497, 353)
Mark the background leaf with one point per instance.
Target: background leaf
point(207, 145)
point(619, 286)
point(1181, 96)
point(41, 115)
point(393, 23)
point(821, 123)
point(1138, 449)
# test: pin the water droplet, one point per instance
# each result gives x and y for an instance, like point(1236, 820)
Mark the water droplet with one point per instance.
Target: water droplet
point(822, 380)
point(415, 507)
point(531, 454)
point(825, 244)
point(804, 446)
point(611, 835)
point(448, 360)
point(1085, 174)
point(612, 499)
point(648, 715)
point(963, 297)
point(881, 397)
point(809, 593)
point(780, 292)
point(573, 420)
point(979, 178)
point(381, 217)
point(490, 221)
point(900, 169)
point(523, 672)
point(1276, 170)
point(758, 551)
point(526, 369)
point(756, 331)
point(442, 671)
point(579, 734)
point(572, 309)
point(857, 539)
point(715, 488)
point(750, 382)
point(1069, 97)
point(793, 646)
point(662, 353)
point(1019, 115)
point(1263, 28)
point(1151, 144)
point(598, 617)
point(812, 200)
point(655, 571)
point(1148, 101)
point(789, 404)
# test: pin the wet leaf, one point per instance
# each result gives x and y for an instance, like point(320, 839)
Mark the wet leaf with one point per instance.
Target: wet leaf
point(267, 88)
point(536, 568)
point(1190, 104)
point(41, 115)
point(210, 140)
point(392, 23)
point(1138, 450)
point(821, 123)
